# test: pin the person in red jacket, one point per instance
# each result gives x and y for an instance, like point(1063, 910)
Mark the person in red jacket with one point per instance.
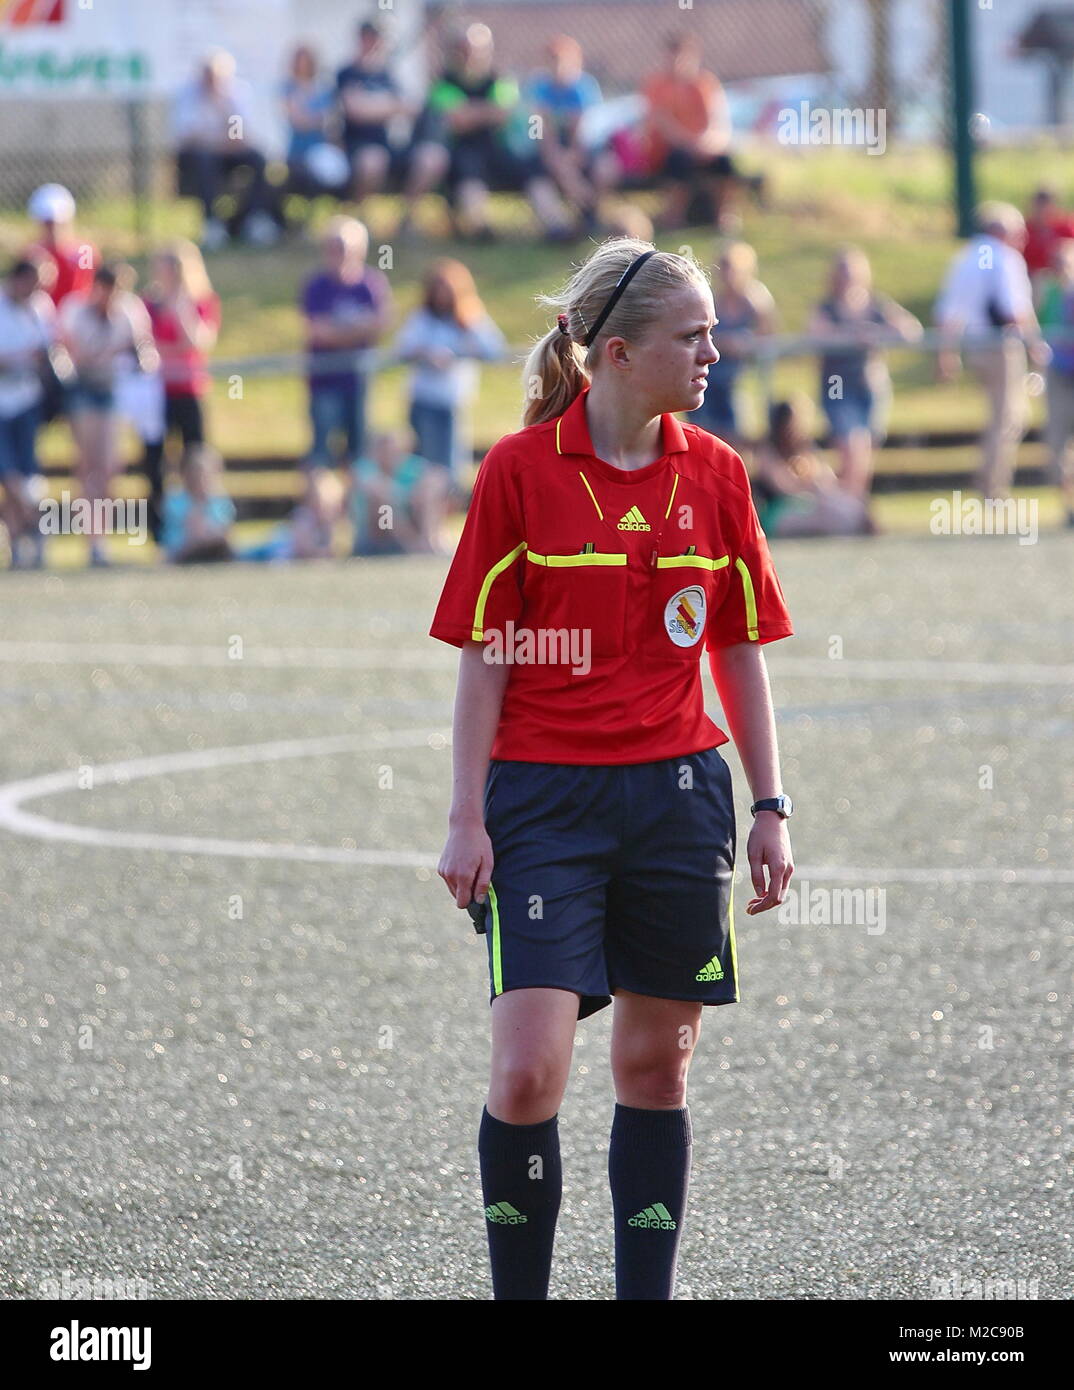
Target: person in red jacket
point(592, 824)
point(1046, 226)
point(72, 258)
point(184, 310)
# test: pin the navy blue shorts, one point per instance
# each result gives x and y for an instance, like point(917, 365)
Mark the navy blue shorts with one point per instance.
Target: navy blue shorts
point(613, 877)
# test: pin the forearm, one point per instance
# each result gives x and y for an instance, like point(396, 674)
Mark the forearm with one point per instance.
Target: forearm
point(478, 700)
point(741, 679)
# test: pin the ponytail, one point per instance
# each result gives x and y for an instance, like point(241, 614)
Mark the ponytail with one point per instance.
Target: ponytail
point(560, 365)
point(554, 374)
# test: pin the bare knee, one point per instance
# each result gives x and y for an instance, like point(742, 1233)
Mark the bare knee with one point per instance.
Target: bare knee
point(653, 1083)
point(525, 1091)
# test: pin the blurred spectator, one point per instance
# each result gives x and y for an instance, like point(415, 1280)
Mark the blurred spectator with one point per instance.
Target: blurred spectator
point(688, 134)
point(213, 131)
point(184, 312)
point(97, 329)
point(27, 325)
point(559, 97)
point(309, 533)
point(315, 164)
point(444, 339)
point(1046, 226)
point(347, 307)
point(628, 220)
point(369, 98)
point(796, 494)
point(72, 259)
point(468, 110)
point(199, 515)
point(745, 311)
point(139, 399)
point(1057, 324)
point(987, 294)
point(398, 500)
point(855, 385)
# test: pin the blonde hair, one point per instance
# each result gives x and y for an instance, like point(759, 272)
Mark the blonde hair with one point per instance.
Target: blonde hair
point(190, 264)
point(560, 366)
point(349, 231)
point(1004, 216)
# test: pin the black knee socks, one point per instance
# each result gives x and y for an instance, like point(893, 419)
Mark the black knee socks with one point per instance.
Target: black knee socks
point(521, 1183)
point(649, 1169)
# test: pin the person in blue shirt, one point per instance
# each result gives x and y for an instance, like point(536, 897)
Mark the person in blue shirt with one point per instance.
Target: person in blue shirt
point(443, 340)
point(397, 499)
point(560, 96)
point(307, 103)
point(199, 515)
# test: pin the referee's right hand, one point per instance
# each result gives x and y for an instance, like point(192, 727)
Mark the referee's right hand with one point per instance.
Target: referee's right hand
point(466, 863)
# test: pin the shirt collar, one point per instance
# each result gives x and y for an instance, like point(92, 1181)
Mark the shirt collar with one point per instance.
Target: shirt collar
point(572, 431)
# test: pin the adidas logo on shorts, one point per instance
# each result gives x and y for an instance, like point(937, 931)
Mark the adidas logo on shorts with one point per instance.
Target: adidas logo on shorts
point(712, 971)
point(504, 1214)
point(633, 521)
point(654, 1218)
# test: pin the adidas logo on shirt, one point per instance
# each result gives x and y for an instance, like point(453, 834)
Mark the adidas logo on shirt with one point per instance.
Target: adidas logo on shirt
point(712, 971)
point(504, 1214)
point(654, 1218)
point(633, 521)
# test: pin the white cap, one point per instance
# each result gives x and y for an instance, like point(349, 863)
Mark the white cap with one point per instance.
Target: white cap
point(51, 203)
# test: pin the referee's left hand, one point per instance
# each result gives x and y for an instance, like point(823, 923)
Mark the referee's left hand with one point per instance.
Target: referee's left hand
point(769, 847)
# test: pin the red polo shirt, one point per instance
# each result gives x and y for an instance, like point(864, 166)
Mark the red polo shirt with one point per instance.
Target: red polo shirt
point(600, 587)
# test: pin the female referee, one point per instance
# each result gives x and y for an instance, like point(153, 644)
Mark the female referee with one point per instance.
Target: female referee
point(592, 812)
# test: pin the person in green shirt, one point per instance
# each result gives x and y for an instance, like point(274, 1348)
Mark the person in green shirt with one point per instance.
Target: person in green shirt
point(469, 110)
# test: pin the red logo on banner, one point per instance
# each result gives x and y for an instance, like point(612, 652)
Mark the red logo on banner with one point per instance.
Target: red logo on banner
point(17, 14)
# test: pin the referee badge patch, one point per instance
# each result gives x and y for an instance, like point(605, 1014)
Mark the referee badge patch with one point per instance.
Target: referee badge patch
point(684, 616)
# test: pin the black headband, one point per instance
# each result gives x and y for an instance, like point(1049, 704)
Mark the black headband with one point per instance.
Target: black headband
point(620, 286)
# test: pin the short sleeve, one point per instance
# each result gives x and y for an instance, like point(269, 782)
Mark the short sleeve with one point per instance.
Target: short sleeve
point(753, 609)
point(589, 90)
point(483, 589)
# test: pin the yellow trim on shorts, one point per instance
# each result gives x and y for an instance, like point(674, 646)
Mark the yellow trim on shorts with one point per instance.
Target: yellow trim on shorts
point(497, 961)
point(731, 933)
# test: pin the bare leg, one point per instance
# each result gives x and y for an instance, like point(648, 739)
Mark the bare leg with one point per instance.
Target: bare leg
point(370, 170)
point(532, 1041)
point(653, 1041)
point(472, 196)
point(428, 165)
point(429, 504)
point(855, 471)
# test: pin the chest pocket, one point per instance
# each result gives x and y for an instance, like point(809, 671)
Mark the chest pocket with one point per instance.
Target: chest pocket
point(687, 589)
point(580, 593)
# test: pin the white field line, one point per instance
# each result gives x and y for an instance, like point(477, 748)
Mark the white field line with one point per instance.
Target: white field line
point(15, 818)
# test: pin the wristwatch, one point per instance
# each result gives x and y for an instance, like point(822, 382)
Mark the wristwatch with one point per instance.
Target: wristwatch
point(782, 805)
